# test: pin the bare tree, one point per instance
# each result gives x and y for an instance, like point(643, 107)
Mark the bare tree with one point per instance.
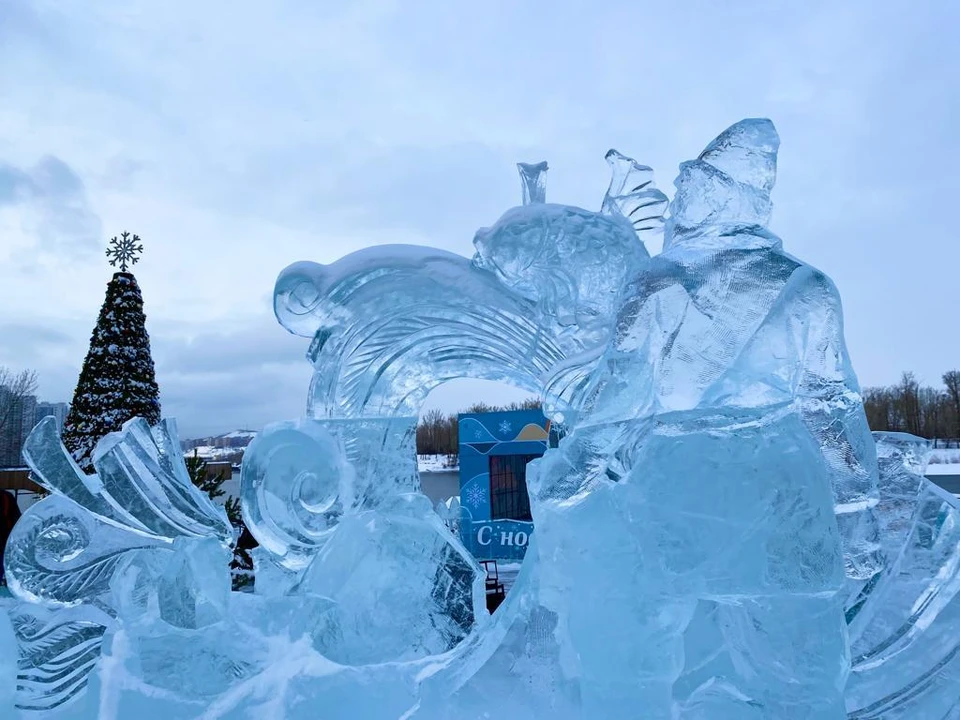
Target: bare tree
point(951, 379)
point(878, 404)
point(908, 403)
point(934, 409)
point(14, 387)
point(439, 434)
point(920, 410)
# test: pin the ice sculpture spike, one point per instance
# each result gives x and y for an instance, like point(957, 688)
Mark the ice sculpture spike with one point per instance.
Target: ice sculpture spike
point(533, 178)
point(634, 195)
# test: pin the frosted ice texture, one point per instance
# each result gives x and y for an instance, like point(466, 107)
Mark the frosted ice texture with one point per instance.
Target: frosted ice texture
point(904, 643)
point(728, 507)
point(294, 487)
point(8, 664)
point(403, 587)
point(700, 442)
point(96, 549)
point(713, 540)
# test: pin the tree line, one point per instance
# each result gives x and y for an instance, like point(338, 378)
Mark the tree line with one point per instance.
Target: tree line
point(908, 406)
point(14, 388)
point(437, 433)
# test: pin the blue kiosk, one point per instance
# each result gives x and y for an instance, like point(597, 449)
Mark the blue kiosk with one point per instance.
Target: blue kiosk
point(495, 447)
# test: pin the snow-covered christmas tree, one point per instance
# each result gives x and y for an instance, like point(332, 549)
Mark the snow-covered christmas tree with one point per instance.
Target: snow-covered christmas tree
point(117, 381)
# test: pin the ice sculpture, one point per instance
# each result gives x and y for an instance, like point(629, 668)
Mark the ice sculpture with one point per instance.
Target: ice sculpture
point(904, 644)
point(713, 540)
point(95, 549)
point(403, 589)
point(702, 442)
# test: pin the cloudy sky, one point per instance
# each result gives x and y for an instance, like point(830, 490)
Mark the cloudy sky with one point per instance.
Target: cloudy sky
point(238, 137)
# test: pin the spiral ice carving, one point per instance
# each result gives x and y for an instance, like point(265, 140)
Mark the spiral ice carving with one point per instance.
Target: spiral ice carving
point(59, 554)
point(295, 485)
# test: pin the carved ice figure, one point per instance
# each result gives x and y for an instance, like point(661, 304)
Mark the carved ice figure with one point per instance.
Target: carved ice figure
point(725, 318)
point(573, 264)
point(716, 425)
point(535, 307)
point(388, 324)
point(294, 486)
point(391, 323)
point(400, 585)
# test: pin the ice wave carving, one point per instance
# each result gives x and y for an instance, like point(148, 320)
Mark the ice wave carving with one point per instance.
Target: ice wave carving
point(68, 549)
point(57, 650)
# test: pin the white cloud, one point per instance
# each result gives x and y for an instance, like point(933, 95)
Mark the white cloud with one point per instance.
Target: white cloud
point(44, 211)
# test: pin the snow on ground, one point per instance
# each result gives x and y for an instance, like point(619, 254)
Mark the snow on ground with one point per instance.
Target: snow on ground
point(508, 573)
point(945, 456)
point(425, 463)
point(208, 452)
point(944, 461)
point(438, 463)
point(943, 469)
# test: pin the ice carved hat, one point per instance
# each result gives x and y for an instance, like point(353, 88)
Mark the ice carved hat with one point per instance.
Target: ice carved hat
point(747, 153)
point(728, 184)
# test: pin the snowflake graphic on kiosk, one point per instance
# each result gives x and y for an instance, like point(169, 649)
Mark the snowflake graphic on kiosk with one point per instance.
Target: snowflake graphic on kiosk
point(475, 496)
point(124, 250)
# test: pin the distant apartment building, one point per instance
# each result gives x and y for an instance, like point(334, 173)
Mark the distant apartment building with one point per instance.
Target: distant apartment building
point(238, 439)
point(18, 418)
point(59, 410)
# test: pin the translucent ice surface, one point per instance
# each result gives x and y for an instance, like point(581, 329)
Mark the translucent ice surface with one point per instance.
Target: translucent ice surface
point(718, 536)
point(904, 643)
point(403, 586)
point(97, 548)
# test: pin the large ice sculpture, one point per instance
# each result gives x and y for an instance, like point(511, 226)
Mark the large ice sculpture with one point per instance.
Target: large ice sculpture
point(714, 539)
point(703, 444)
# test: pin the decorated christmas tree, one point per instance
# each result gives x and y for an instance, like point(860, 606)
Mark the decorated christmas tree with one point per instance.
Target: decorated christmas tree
point(117, 381)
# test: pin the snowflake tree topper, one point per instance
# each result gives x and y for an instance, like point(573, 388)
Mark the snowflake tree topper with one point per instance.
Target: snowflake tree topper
point(124, 250)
